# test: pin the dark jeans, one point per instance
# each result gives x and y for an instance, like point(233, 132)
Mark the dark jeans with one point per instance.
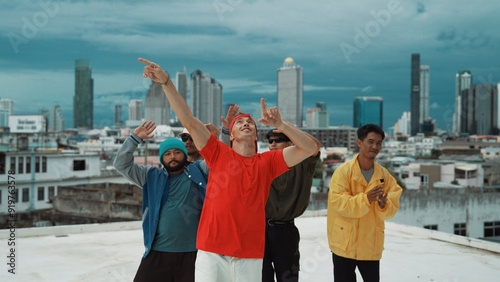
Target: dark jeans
point(166, 267)
point(343, 269)
point(281, 255)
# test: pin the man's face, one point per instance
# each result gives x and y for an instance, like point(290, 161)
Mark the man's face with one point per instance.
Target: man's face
point(244, 127)
point(370, 147)
point(188, 141)
point(174, 160)
point(278, 143)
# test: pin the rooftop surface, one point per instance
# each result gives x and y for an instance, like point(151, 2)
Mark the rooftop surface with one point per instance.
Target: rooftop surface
point(112, 251)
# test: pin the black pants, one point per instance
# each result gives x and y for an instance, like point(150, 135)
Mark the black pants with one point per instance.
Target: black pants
point(166, 267)
point(281, 255)
point(343, 269)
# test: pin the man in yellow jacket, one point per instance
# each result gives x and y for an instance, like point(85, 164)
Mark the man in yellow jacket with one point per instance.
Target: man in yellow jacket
point(362, 195)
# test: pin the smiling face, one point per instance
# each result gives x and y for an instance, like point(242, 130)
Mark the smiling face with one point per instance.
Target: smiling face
point(370, 146)
point(244, 128)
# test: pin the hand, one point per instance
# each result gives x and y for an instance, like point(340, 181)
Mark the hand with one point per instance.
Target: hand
point(374, 194)
point(154, 71)
point(270, 116)
point(145, 130)
point(232, 112)
point(382, 201)
point(213, 129)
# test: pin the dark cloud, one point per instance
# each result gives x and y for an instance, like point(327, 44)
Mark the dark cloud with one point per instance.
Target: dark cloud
point(421, 8)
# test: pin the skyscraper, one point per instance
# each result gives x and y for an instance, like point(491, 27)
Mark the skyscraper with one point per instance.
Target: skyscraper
point(134, 113)
point(424, 94)
point(157, 107)
point(290, 92)
point(6, 109)
point(83, 101)
point(317, 117)
point(55, 119)
point(181, 82)
point(415, 94)
point(368, 110)
point(479, 109)
point(118, 115)
point(463, 81)
point(206, 97)
point(403, 125)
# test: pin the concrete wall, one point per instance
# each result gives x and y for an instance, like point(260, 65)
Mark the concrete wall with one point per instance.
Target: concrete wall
point(445, 207)
point(97, 209)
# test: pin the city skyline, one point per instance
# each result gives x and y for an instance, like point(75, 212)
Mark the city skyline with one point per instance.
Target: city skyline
point(345, 49)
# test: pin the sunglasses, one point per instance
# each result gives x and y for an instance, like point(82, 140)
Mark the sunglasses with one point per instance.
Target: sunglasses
point(277, 140)
point(185, 138)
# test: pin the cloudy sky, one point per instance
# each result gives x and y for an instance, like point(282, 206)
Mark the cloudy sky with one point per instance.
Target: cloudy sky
point(346, 48)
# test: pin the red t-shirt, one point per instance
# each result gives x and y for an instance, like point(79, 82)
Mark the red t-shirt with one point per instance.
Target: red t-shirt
point(233, 216)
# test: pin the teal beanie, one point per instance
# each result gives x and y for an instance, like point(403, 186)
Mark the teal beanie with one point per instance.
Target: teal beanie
point(171, 143)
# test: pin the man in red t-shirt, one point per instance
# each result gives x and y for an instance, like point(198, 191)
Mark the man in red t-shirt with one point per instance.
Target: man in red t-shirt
point(232, 225)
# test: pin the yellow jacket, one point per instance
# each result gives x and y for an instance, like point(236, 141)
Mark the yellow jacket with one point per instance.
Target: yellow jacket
point(355, 227)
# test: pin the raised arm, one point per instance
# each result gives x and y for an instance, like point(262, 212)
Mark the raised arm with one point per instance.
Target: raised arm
point(304, 146)
point(196, 128)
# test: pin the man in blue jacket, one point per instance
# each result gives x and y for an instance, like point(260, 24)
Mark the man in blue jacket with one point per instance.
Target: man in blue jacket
point(171, 206)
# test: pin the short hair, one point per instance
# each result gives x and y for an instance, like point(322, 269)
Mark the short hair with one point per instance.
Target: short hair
point(364, 130)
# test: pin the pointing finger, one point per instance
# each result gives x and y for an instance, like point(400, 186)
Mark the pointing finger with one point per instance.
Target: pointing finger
point(263, 107)
point(144, 61)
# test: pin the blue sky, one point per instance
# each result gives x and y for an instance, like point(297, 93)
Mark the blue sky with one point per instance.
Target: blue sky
point(346, 48)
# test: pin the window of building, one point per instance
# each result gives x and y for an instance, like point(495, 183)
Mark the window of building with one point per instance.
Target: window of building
point(41, 193)
point(51, 192)
point(431, 226)
point(2, 163)
point(13, 163)
point(26, 195)
point(44, 164)
point(37, 164)
point(404, 174)
point(79, 165)
point(20, 165)
point(1, 197)
point(28, 165)
point(424, 180)
point(16, 198)
point(491, 228)
point(460, 229)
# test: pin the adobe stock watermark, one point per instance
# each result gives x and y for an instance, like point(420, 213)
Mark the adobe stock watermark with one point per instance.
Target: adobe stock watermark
point(372, 29)
point(30, 26)
point(224, 6)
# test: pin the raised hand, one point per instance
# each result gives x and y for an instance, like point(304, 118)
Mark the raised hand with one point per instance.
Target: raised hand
point(270, 116)
point(145, 130)
point(232, 112)
point(154, 71)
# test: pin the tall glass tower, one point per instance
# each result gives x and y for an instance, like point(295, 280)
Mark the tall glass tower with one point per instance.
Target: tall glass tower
point(181, 82)
point(290, 92)
point(206, 97)
point(415, 94)
point(424, 93)
point(368, 110)
point(83, 101)
point(463, 81)
point(157, 106)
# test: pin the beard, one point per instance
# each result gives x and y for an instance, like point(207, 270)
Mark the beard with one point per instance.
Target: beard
point(179, 165)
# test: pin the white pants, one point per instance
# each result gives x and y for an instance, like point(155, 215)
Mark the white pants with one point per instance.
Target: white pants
point(211, 267)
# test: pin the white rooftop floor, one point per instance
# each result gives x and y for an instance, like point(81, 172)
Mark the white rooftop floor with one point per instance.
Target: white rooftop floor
point(111, 252)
